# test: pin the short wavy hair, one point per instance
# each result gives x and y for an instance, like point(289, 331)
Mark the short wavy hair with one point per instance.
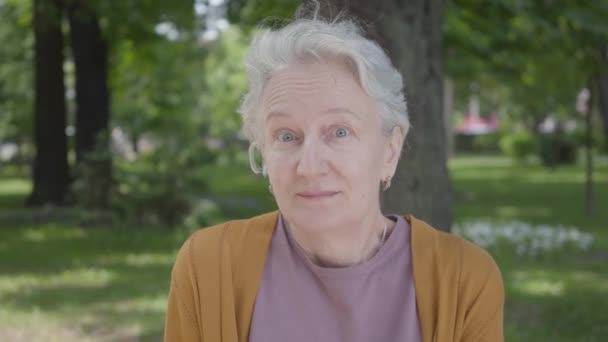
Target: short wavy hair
point(312, 37)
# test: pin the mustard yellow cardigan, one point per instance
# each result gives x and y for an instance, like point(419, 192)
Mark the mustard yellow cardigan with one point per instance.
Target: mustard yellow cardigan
point(215, 279)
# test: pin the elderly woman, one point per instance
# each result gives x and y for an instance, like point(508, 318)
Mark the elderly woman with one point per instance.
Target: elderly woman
point(326, 111)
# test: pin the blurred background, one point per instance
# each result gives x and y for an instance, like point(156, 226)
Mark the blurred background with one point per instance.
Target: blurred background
point(119, 136)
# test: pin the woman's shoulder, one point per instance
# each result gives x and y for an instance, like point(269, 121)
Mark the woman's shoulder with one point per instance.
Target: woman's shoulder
point(451, 272)
point(205, 244)
point(451, 251)
point(236, 230)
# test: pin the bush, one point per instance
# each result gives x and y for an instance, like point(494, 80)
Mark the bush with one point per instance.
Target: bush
point(557, 149)
point(152, 195)
point(162, 187)
point(598, 141)
point(91, 187)
point(482, 143)
point(519, 145)
point(487, 143)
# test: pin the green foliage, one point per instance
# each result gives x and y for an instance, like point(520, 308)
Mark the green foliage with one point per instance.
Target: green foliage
point(162, 187)
point(135, 20)
point(196, 93)
point(557, 149)
point(163, 100)
point(518, 145)
point(579, 136)
point(487, 143)
point(93, 177)
point(152, 197)
point(501, 46)
point(477, 144)
point(248, 14)
point(225, 83)
point(16, 77)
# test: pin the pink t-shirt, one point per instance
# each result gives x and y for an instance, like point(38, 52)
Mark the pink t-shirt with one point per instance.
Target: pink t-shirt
point(300, 301)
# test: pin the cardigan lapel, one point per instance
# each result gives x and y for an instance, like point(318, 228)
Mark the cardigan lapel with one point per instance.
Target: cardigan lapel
point(249, 265)
point(423, 265)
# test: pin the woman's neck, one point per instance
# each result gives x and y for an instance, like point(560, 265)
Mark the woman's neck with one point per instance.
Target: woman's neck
point(343, 246)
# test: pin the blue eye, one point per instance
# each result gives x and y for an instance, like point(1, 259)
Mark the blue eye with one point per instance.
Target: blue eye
point(286, 137)
point(342, 132)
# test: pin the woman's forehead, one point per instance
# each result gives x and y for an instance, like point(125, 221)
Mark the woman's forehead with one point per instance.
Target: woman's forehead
point(331, 71)
point(323, 86)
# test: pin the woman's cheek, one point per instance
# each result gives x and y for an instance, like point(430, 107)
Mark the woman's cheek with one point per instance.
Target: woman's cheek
point(278, 157)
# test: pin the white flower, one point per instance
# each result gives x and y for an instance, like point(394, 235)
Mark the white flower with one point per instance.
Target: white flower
point(525, 238)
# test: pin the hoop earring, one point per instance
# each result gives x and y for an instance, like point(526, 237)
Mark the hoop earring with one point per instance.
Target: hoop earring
point(386, 183)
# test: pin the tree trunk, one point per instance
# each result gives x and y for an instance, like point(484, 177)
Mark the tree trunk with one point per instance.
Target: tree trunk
point(589, 155)
point(50, 167)
point(448, 110)
point(135, 135)
point(90, 54)
point(411, 32)
point(602, 98)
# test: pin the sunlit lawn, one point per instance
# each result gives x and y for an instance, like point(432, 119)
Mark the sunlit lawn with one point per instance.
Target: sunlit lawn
point(59, 282)
point(557, 297)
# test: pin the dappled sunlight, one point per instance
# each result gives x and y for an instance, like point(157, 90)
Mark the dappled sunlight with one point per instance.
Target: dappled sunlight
point(539, 282)
point(590, 280)
point(32, 282)
point(56, 233)
point(13, 191)
point(49, 326)
point(108, 303)
point(565, 176)
point(480, 162)
point(529, 175)
point(514, 212)
point(83, 277)
point(137, 260)
point(541, 287)
point(142, 305)
point(15, 187)
point(488, 175)
point(147, 259)
point(502, 168)
point(17, 325)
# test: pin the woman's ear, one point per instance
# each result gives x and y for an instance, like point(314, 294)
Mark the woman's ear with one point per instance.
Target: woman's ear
point(395, 144)
point(254, 157)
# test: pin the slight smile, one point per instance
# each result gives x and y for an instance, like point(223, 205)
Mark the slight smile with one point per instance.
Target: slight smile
point(317, 195)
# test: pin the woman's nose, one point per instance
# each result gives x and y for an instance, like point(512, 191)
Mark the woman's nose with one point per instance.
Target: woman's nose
point(311, 160)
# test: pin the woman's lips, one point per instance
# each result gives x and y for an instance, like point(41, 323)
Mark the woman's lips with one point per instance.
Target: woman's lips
point(316, 195)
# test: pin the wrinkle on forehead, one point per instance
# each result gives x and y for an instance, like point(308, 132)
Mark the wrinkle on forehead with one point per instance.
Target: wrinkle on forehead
point(305, 80)
point(286, 83)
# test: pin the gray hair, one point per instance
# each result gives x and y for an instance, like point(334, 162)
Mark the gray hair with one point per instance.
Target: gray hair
point(313, 38)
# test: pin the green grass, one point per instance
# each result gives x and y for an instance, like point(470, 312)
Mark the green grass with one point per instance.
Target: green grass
point(103, 283)
point(557, 297)
point(61, 282)
point(13, 189)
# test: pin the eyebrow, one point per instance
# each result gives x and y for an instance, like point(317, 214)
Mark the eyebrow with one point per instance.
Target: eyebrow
point(275, 114)
point(333, 110)
point(341, 110)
